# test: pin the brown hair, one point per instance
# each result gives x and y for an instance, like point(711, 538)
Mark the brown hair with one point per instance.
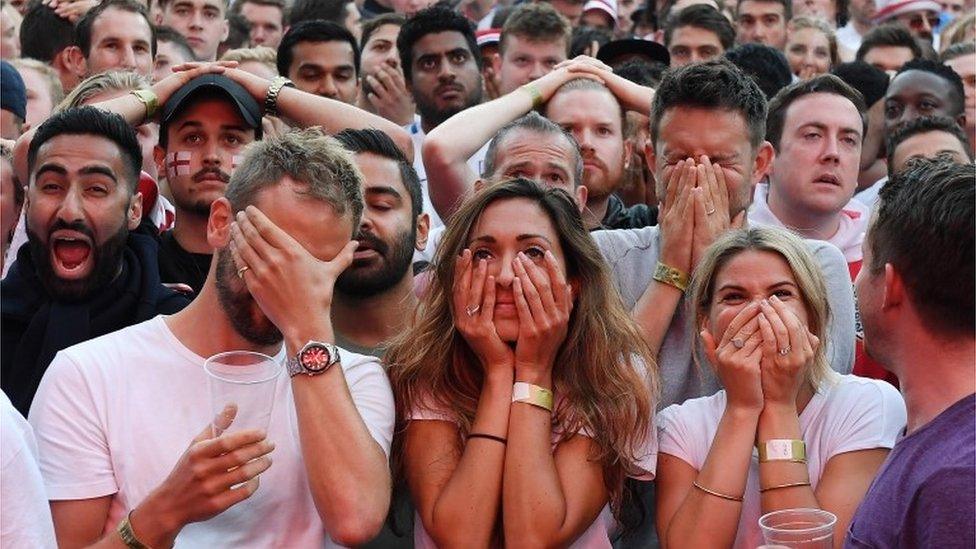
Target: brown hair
point(538, 22)
point(606, 379)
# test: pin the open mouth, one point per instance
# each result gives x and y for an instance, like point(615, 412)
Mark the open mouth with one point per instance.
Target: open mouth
point(71, 253)
point(828, 179)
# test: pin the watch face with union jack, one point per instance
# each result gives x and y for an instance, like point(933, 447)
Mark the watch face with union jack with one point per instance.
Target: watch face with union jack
point(315, 357)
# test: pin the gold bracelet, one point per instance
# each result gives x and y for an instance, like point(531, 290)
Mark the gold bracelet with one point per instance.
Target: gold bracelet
point(672, 277)
point(714, 493)
point(127, 536)
point(788, 485)
point(535, 93)
point(535, 395)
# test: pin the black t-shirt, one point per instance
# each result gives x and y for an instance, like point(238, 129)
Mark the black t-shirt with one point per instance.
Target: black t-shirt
point(179, 265)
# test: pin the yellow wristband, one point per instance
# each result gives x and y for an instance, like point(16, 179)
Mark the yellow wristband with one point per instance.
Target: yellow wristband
point(532, 394)
point(783, 450)
point(535, 93)
point(672, 277)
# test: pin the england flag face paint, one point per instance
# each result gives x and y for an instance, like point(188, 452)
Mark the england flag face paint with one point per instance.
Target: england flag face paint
point(235, 161)
point(178, 163)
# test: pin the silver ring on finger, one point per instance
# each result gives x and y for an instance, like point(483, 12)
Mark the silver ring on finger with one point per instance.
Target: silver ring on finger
point(710, 212)
point(472, 310)
point(738, 343)
point(241, 271)
point(785, 350)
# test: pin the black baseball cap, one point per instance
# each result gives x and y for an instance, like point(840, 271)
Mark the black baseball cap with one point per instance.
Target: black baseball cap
point(633, 47)
point(248, 108)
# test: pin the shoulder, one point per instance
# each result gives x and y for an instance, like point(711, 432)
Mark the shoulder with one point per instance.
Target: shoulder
point(358, 367)
point(620, 240)
point(862, 391)
point(828, 255)
point(132, 341)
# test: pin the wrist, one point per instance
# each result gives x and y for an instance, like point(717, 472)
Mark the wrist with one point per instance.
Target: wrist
point(534, 374)
point(154, 525)
point(296, 338)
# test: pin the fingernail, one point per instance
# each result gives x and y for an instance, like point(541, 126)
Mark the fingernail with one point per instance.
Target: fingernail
point(765, 302)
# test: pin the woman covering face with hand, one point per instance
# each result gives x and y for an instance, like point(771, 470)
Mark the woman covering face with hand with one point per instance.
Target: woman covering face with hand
point(786, 432)
point(524, 395)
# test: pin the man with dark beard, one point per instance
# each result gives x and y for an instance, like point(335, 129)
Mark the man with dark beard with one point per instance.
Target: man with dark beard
point(281, 236)
point(82, 273)
point(374, 296)
point(441, 62)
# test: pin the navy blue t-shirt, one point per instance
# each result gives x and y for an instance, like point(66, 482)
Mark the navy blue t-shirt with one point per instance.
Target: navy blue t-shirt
point(925, 493)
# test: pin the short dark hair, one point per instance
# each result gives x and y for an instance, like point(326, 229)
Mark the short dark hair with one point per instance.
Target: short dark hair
point(43, 34)
point(891, 34)
point(583, 37)
point(536, 123)
point(280, 4)
point(957, 50)
point(436, 18)
point(822, 83)
point(538, 22)
point(871, 81)
point(705, 17)
point(787, 7)
point(83, 29)
point(376, 142)
point(957, 91)
point(925, 124)
point(924, 228)
point(369, 27)
point(766, 65)
point(238, 33)
point(89, 120)
point(171, 35)
point(326, 10)
point(313, 31)
point(716, 85)
point(645, 73)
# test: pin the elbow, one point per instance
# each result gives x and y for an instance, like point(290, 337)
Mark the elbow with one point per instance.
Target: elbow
point(403, 140)
point(355, 530)
point(433, 152)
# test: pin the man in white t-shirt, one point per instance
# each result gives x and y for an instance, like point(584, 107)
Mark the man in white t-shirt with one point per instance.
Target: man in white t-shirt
point(816, 127)
point(114, 416)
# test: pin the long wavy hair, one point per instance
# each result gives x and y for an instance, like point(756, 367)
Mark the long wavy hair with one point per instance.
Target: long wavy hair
point(604, 377)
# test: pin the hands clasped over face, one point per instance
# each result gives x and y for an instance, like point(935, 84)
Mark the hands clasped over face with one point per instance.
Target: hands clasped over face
point(535, 296)
point(763, 356)
point(695, 211)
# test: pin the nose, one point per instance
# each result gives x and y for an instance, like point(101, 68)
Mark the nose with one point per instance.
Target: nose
point(128, 60)
point(505, 272)
point(211, 154)
point(71, 207)
point(538, 70)
point(831, 151)
point(446, 73)
point(196, 21)
point(327, 88)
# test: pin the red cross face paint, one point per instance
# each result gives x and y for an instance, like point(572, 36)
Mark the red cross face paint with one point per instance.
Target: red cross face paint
point(178, 164)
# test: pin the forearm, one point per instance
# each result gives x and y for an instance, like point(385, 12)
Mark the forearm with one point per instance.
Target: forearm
point(654, 312)
point(466, 510)
point(306, 109)
point(781, 422)
point(127, 106)
point(725, 471)
point(448, 146)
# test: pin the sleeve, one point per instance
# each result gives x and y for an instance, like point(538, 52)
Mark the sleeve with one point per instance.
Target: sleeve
point(646, 458)
point(72, 445)
point(840, 295)
point(23, 505)
point(372, 395)
point(944, 508)
point(426, 410)
point(677, 435)
point(870, 416)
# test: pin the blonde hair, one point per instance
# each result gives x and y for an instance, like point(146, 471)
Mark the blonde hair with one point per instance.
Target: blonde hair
point(805, 22)
point(956, 31)
point(605, 378)
point(806, 272)
point(258, 54)
point(100, 83)
point(48, 73)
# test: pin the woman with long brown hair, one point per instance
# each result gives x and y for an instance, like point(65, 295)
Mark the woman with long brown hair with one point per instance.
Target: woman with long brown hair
point(524, 392)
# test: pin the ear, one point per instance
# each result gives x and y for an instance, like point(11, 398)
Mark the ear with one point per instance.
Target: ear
point(479, 184)
point(628, 149)
point(74, 61)
point(218, 224)
point(582, 193)
point(159, 156)
point(226, 29)
point(496, 63)
point(650, 158)
point(423, 231)
point(894, 288)
point(764, 162)
point(134, 212)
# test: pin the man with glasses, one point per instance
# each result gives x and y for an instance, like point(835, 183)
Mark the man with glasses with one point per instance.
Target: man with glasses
point(919, 16)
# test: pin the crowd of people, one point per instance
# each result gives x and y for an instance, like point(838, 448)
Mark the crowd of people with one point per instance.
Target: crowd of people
point(552, 273)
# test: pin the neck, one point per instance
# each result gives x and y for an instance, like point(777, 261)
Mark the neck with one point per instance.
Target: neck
point(372, 320)
point(190, 232)
point(595, 211)
point(427, 125)
point(220, 335)
point(947, 376)
point(862, 28)
point(806, 223)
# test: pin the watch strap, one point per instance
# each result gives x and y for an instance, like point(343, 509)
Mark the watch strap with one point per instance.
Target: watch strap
point(667, 274)
point(783, 450)
point(271, 99)
point(149, 99)
point(127, 536)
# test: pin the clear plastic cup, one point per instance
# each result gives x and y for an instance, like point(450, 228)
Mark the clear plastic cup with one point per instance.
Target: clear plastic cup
point(242, 387)
point(799, 528)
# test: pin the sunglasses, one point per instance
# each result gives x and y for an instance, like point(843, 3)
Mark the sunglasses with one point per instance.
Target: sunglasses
point(918, 21)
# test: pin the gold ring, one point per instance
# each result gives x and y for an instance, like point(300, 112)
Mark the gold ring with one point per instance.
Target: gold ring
point(710, 212)
point(472, 310)
point(785, 351)
point(240, 272)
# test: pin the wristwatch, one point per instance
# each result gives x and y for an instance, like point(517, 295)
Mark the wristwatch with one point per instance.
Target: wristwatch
point(315, 358)
point(271, 99)
point(149, 99)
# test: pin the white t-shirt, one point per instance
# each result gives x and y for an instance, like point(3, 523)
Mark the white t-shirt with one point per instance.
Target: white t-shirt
point(849, 413)
point(25, 518)
point(114, 414)
point(597, 536)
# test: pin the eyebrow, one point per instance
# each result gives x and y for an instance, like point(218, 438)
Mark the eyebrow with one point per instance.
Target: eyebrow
point(87, 170)
point(492, 240)
point(384, 190)
point(194, 124)
point(770, 287)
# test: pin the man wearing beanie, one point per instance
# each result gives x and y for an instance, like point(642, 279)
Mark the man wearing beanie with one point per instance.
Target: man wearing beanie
point(13, 102)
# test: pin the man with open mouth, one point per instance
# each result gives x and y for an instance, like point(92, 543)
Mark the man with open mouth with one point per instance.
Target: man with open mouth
point(82, 273)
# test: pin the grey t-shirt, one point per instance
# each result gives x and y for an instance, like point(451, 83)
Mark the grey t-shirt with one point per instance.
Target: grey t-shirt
point(632, 255)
